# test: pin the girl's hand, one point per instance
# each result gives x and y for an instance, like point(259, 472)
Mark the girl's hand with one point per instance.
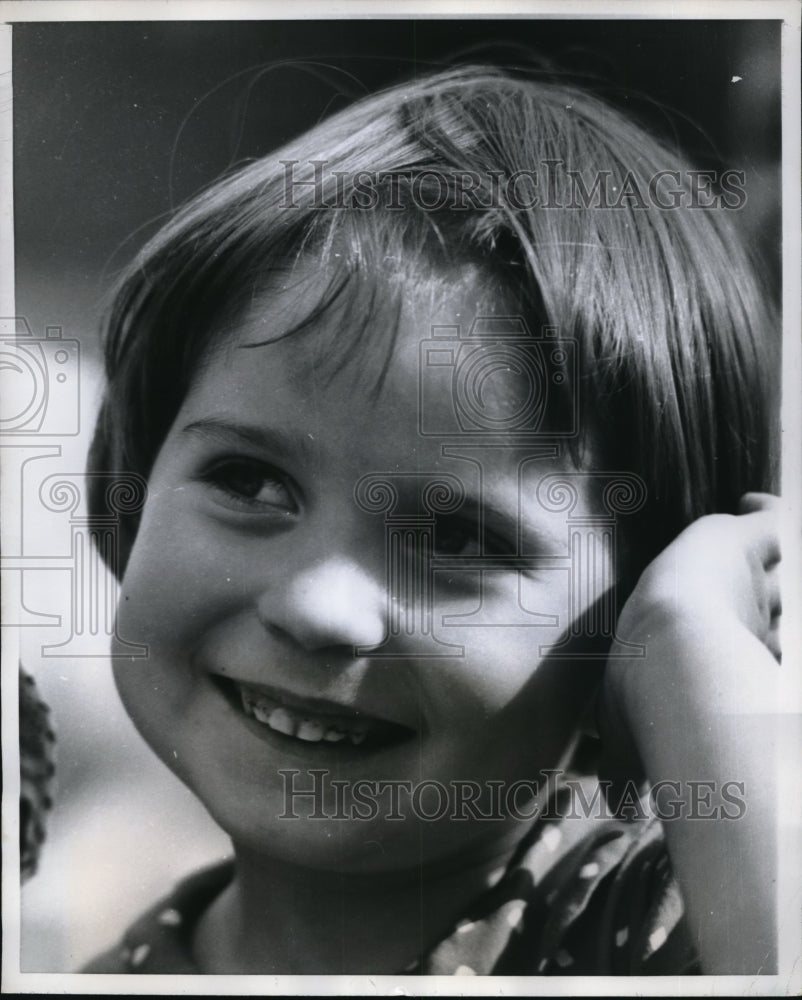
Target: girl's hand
point(714, 585)
point(699, 709)
point(720, 571)
point(717, 579)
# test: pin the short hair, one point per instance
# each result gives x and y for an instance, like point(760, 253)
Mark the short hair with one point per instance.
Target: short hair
point(677, 343)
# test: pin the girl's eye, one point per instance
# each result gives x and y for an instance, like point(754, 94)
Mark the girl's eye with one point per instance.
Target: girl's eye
point(250, 484)
point(459, 537)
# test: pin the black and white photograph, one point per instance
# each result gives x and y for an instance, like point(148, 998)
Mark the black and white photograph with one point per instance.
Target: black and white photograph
point(401, 480)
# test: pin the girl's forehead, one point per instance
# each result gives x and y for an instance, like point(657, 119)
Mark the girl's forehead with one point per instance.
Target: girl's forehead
point(391, 364)
point(366, 325)
point(262, 393)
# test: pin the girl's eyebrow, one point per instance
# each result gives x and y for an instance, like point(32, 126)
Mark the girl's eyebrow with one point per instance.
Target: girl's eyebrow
point(270, 439)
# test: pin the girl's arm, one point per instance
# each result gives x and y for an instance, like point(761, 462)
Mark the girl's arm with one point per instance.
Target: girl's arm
point(699, 709)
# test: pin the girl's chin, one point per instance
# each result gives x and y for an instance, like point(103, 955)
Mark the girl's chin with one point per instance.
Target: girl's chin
point(390, 851)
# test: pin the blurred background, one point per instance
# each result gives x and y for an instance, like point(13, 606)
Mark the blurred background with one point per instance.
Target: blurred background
point(117, 124)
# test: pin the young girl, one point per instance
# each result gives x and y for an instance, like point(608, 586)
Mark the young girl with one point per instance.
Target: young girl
point(423, 401)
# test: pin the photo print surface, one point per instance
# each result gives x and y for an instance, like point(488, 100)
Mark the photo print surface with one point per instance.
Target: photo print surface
point(392, 457)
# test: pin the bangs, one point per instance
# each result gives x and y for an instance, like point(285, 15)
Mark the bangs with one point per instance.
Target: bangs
point(369, 268)
point(351, 321)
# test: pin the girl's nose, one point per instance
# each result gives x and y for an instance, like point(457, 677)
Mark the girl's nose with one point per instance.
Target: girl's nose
point(332, 603)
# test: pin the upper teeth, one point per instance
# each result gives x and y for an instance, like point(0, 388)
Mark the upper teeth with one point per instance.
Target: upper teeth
point(300, 725)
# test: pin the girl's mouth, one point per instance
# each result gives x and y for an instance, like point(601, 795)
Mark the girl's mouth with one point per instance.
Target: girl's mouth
point(311, 725)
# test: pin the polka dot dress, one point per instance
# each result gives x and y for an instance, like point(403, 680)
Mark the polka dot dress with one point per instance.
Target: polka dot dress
point(580, 897)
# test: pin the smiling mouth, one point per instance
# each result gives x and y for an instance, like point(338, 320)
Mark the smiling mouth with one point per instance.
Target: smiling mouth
point(311, 724)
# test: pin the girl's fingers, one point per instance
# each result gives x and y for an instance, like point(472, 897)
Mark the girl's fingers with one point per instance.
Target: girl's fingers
point(752, 502)
point(763, 537)
point(772, 640)
point(773, 592)
point(771, 612)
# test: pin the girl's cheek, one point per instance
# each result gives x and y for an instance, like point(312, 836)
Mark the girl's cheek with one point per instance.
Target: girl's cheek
point(155, 595)
point(496, 666)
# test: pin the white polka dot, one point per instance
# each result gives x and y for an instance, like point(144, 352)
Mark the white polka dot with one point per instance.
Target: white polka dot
point(621, 937)
point(169, 918)
point(656, 938)
point(465, 926)
point(551, 837)
point(496, 876)
point(464, 970)
point(589, 870)
point(543, 963)
point(515, 915)
point(552, 896)
point(139, 954)
point(563, 959)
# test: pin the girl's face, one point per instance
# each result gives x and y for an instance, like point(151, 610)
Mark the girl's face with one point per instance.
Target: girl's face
point(258, 581)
